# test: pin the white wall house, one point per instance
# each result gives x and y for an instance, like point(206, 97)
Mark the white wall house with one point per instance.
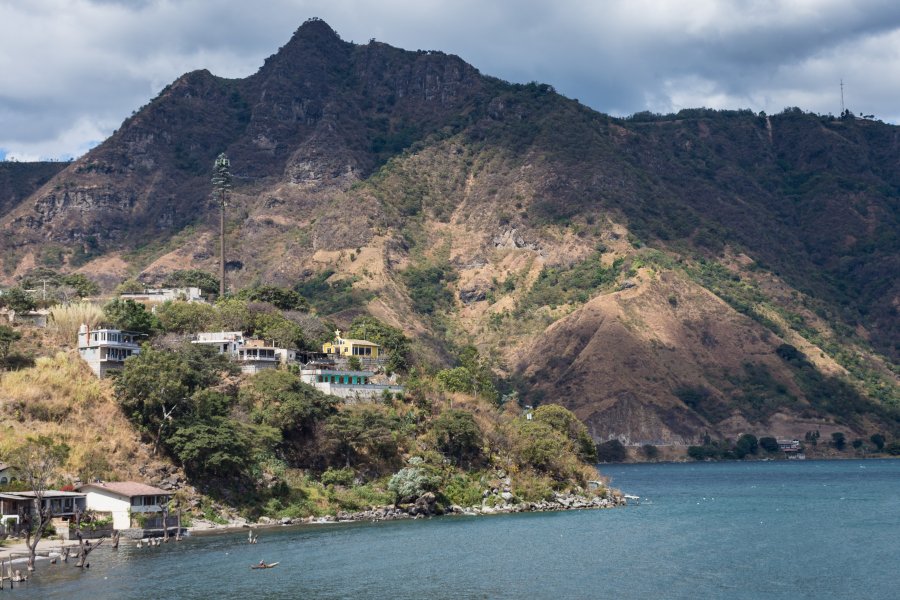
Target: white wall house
point(252, 355)
point(349, 385)
point(106, 349)
point(125, 498)
point(152, 296)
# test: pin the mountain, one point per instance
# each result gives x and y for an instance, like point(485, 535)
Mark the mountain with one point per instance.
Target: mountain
point(665, 276)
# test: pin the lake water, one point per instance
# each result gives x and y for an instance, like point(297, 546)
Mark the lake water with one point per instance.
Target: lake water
point(710, 530)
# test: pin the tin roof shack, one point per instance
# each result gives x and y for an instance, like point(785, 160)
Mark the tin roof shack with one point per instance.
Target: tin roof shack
point(131, 504)
point(106, 349)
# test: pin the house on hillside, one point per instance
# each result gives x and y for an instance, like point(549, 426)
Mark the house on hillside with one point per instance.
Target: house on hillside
point(251, 354)
point(155, 296)
point(12, 512)
point(6, 475)
point(106, 349)
point(348, 385)
point(346, 347)
point(131, 504)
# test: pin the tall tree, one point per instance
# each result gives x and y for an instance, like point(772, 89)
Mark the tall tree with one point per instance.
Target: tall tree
point(221, 182)
point(37, 462)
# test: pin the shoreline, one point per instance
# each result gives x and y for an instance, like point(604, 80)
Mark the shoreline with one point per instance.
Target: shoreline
point(50, 548)
point(421, 510)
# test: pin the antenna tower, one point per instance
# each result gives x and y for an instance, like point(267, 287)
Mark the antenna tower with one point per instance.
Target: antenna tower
point(842, 96)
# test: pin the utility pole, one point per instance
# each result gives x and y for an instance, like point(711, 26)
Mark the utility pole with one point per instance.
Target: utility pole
point(221, 182)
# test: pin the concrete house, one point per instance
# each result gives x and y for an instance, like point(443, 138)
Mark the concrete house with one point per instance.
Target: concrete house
point(349, 385)
point(346, 347)
point(251, 354)
point(106, 349)
point(155, 296)
point(125, 500)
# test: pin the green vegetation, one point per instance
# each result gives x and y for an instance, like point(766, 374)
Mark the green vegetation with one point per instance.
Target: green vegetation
point(427, 287)
point(319, 455)
point(576, 283)
point(207, 282)
point(329, 294)
point(129, 315)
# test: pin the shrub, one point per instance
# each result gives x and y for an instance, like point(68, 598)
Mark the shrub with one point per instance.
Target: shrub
point(338, 476)
point(410, 483)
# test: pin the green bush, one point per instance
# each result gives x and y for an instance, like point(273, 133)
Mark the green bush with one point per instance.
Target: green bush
point(411, 482)
point(343, 476)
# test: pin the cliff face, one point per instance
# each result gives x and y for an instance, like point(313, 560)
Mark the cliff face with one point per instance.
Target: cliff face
point(645, 272)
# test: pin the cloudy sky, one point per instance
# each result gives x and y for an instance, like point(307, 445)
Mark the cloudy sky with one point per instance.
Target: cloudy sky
point(72, 70)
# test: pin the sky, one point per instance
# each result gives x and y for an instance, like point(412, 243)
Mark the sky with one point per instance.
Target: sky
point(72, 70)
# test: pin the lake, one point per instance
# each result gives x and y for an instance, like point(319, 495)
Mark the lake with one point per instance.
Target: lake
point(786, 529)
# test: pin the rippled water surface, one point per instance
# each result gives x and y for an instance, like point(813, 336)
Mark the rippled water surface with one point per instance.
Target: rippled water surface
point(730, 530)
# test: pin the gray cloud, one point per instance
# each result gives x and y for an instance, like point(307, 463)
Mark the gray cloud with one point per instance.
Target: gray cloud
point(71, 72)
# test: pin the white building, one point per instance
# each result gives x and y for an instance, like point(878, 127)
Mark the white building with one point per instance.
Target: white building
point(153, 296)
point(125, 499)
point(105, 349)
point(252, 355)
point(349, 385)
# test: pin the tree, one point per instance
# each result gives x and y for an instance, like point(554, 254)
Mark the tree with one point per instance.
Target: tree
point(18, 300)
point(156, 386)
point(746, 444)
point(221, 183)
point(36, 463)
point(362, 434)
point(838, 440)
point(281, 298)
point(539, 446)
point(216, 446)
point(279, 329)
point(81, 285)
point(564, 421)
point(185, 317)
point(233, 315)
point(769, 444)
point(280, 399)
point(8, 335)
point(878, 440)
point(128, 315)
point(457, 435)
point(207, 282)
point(458, 379)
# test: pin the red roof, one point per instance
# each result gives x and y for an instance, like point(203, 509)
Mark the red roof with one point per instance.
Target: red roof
point(126, 488)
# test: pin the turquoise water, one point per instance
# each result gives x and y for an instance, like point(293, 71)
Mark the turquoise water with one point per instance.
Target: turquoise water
point(729, 530)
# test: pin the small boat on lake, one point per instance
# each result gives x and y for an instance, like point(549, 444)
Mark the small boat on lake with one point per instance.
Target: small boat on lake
point(263, 565)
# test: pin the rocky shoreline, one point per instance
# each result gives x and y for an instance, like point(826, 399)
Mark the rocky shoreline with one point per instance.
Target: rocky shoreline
point(427, 506)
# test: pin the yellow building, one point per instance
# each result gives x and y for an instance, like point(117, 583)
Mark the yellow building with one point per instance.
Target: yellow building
point(344, 347)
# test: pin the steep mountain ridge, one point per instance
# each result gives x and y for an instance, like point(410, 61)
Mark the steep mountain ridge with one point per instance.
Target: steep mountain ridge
point(652, 273)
